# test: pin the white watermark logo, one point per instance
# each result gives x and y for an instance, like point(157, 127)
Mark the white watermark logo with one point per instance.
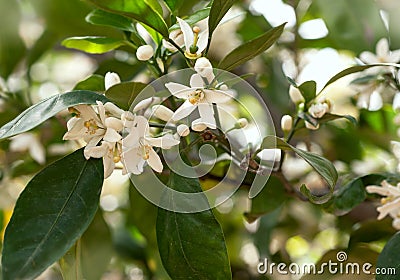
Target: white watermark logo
point(338, 266)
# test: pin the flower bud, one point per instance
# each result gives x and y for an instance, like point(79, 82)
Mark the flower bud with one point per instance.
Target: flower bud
point(113, 109)
point(144, 52)
point(144, 104)
point(183, 130)
point(375, 101)
point(204, 68)
point(198, 125)
point(286, 123)
point(111, 79)
point(163, 113)
point(241, 123)
point(295, 95)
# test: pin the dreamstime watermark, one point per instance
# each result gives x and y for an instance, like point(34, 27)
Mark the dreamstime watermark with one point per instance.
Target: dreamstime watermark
point(338, 266)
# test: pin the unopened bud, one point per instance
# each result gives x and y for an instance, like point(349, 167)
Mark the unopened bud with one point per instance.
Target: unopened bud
point(295, 95)
point(241, 123)
point(183, 130)
point(144, 104)
point(375, 101)
point(111, 79)
point(163, 113)
point(113, 109)
point(204, 68)
point(286, 123)
point(144, 52)
point(198, 125)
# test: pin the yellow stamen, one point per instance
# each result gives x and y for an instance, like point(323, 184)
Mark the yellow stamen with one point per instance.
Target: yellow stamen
point(196, 96)
point(386, 200)
point(146, 152)
point(91, 126)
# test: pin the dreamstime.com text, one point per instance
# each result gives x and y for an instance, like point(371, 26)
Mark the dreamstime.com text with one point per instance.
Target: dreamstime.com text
point(341, 266)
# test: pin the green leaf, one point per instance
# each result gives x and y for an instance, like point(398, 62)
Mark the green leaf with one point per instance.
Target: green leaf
point(51, 214)
point(191, 245)
point(93, 44)
point(330, 117)
point(270, 198)
point(103, 18)
point(370, 231)
point(218, 9)
point(308, 90)
point(143, 11)
point(355, 69)
point(193, 18)
point(390, 258)
point(250, 49)
point(174, 5)
point(321, 165)
point(93, 83)
point(45, 109)
point(123, 94)
point(316, 199)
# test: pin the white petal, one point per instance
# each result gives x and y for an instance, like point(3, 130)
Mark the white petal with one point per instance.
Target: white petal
point(187, 33)
point(113, 109)
point(161, 112)
point(394, 56)
point(96, 152)
point(196, 81)
point(382, 48)
point(86, 112)
point(375, 101)
point(21, 142)
point(207, 114)
point(109, 165)
point(77, 131)
point(112, 136)
point(183, 111)
point(133, 161)
point(177, 90)
point(102, 111)
point(217, 96)
point(202, 41)
point(111, 79)
point(144, 104)
point(154, 161)
point(165, 142)
point(114, 123)
point(388, 207)
point(396, 101)
point(37, 151)
point(198, 125)
point(369, 57)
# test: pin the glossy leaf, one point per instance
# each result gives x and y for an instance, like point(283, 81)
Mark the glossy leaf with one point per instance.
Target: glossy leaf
point(316, 199)
point(174, 5)
point(390, 258)
point(191, 245)
point(321, 165)
point(103, 18)
point(331, 117)
point(218, 9)
point(45, 109)
point(143, 11)
point(250, 49)
point(51, 214)
point(270, 198)
point(94, 83)
point(123, 94)
point(93, 44)
point(308, 90)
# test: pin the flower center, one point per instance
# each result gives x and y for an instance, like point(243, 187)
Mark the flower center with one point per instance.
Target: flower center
point(91, 126)
point(192, 52)
point(196, 96)
point(146, 152)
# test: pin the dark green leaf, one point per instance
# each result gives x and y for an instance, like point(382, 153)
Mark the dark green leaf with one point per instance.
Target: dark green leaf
point(271, 197)
point(308, 90)
point(193, 18)
point(218, 9)
point(143, 11)
point(51, 214)
point(174, 5)
point(45, 109)
point(370, 231)
point(191, 245)
point(321, 165)
point(93, 83)
point(100, 17)
point(123, 94)
point(330, 117)
point(93, 44)
point(390, 258)
point(250, 49)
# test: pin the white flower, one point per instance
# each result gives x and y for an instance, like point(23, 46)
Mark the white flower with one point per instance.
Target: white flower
point(111, 79)
point(295, 95)
point(138, 147)
point(92, 127)
point(196, 39)
point(144, 52)
point(110, 152)
point(390, 203)
point(204, 68)
point(396, 101)
point(383, 54)
point(286, 123)
point(197, 96)
point(318, 110)
point(370, 97)
point(29, 142)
